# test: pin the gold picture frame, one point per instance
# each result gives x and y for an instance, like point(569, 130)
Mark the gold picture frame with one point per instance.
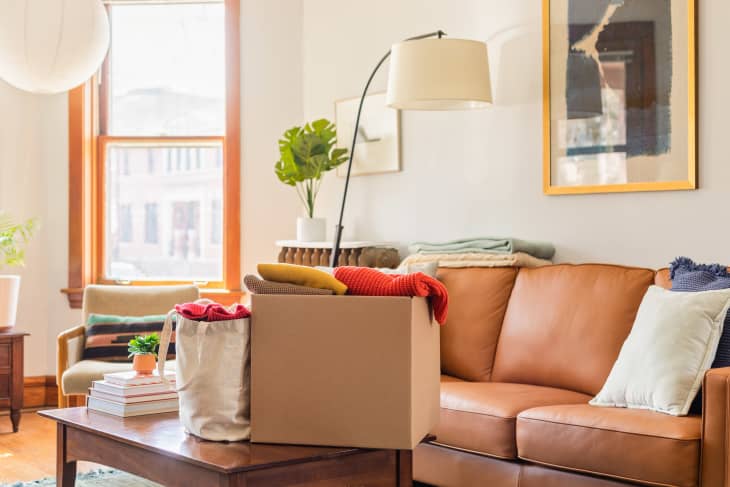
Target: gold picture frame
point(690, 182)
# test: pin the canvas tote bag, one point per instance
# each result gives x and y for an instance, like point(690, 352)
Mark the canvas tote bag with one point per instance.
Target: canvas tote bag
point(213, 375)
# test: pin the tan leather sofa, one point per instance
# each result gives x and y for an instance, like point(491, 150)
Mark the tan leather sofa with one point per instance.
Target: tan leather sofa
point(523, 352)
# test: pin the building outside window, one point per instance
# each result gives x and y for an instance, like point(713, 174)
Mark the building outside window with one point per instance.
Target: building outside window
point(150, 223)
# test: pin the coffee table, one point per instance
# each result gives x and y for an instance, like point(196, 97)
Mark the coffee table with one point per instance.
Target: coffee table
point(157, 448)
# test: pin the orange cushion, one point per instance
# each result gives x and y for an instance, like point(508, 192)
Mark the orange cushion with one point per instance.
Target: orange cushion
point(633, 445)
point(480, 416)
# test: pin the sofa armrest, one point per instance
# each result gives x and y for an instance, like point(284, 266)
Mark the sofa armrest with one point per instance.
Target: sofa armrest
point(63, 359)
point(716, 428)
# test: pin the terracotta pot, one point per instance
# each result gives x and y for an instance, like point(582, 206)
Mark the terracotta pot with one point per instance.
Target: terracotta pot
point(144, 364)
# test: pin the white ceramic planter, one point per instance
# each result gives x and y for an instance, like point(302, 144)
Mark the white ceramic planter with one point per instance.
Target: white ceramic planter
point(9, 292)
point(311, 229)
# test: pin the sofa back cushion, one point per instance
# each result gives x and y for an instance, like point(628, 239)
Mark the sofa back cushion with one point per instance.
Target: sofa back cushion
point(477, 303)
point(565, 324)
point(662, 278)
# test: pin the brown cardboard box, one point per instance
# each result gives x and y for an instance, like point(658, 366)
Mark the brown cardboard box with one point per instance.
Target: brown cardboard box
point(354, 371)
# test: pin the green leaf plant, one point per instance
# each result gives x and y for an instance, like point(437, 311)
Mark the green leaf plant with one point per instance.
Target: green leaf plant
point(306, 154)
point(144, 345)
point(13, 239)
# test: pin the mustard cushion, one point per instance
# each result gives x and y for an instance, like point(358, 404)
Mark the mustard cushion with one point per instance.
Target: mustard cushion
point(301, 275)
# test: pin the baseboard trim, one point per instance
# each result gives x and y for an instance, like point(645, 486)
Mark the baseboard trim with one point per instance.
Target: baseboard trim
point(40, 391)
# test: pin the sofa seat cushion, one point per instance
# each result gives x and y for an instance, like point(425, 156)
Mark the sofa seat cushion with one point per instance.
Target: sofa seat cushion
point(480, 416)
point(78, 378)
point(633, 445)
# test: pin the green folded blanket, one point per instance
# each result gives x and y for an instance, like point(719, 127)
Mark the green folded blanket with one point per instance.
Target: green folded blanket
point(541, 250)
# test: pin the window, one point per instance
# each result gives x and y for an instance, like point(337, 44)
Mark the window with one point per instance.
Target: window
point(125, 224)
point(150, 223)
point(163, 120)
point(151, 161)
point(216, 231)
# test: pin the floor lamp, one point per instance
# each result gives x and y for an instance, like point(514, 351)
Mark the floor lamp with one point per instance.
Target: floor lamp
point(427, 72)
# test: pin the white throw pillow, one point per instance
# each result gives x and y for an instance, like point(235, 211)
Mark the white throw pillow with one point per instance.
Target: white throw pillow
point(671, 345)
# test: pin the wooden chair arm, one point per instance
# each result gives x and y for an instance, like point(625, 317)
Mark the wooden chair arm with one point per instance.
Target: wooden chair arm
point(62, 357)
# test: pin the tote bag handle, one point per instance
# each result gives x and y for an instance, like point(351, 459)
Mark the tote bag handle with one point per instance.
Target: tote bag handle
point(164, 345)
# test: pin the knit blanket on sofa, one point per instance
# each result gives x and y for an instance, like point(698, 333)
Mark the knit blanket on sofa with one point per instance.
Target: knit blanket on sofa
point(493, 245)
point(518, 259)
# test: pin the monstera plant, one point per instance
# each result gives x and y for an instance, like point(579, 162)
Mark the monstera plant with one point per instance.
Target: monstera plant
point(306, 154)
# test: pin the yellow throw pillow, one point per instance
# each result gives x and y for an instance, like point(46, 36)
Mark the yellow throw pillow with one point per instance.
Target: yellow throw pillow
point(301, 275)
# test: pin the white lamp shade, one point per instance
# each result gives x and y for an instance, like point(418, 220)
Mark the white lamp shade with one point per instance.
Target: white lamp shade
point(439, 74)
point(51, 46)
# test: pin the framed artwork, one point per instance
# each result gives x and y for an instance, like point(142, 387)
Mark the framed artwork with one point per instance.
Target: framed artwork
point(378, 142)
point(619, 99)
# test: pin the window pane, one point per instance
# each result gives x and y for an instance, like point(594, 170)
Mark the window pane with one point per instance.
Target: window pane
point(164, 219)
point(167, 71)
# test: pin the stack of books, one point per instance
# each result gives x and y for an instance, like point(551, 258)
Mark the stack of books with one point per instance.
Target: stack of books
point(128, 394)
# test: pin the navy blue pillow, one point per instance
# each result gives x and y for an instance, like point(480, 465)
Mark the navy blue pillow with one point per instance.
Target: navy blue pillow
point(688, 276)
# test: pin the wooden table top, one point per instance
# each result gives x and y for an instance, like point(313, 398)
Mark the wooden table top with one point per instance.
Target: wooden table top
point(164, 434)
point(12, 332)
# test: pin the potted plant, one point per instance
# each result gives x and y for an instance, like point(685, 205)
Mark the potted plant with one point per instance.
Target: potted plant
point(144, 350)
point(13, 239)
point(307, 153)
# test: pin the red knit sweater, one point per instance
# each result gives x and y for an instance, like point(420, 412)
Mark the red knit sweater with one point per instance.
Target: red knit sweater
point(363, 281)
point(212, 312)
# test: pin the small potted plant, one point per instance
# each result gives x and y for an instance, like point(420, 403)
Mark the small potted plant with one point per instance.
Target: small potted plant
point(144, 350)
point(13, 239)
point(307, 153)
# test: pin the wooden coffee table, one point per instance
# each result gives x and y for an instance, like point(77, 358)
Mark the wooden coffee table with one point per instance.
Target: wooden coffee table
point(157, 448)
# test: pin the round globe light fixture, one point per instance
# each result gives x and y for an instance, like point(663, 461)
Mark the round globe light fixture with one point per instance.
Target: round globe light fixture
point(51, 46)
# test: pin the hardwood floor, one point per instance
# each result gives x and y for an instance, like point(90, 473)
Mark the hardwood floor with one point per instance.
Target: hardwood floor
point(29, 454)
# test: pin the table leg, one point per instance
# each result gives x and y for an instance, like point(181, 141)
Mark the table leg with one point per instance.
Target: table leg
point(404, 461)
point(16, 387)
point(15, 419)
point(65, 470)
point(231, 480)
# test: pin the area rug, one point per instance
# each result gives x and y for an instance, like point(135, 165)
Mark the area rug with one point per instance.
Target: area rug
point(95, 478)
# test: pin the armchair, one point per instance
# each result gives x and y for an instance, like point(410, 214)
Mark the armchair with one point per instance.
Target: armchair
point(74, 375)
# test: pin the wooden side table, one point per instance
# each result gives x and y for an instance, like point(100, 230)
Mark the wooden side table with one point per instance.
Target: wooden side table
point(363, 254)
point(11, 373)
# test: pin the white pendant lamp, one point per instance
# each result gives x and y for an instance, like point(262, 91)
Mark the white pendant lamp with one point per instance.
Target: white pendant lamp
point(51, 46)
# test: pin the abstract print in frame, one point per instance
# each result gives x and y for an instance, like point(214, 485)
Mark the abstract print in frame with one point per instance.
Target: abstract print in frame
point(619, 96)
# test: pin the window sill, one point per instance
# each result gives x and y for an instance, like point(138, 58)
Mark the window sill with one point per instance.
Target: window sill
point(224, 296)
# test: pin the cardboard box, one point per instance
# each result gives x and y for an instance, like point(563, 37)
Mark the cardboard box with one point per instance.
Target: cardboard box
point(343, 371)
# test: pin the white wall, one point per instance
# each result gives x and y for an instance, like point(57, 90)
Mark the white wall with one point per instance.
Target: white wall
point(22, 184)
point(34, 169)
point(480, 173)
point(271, 103)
